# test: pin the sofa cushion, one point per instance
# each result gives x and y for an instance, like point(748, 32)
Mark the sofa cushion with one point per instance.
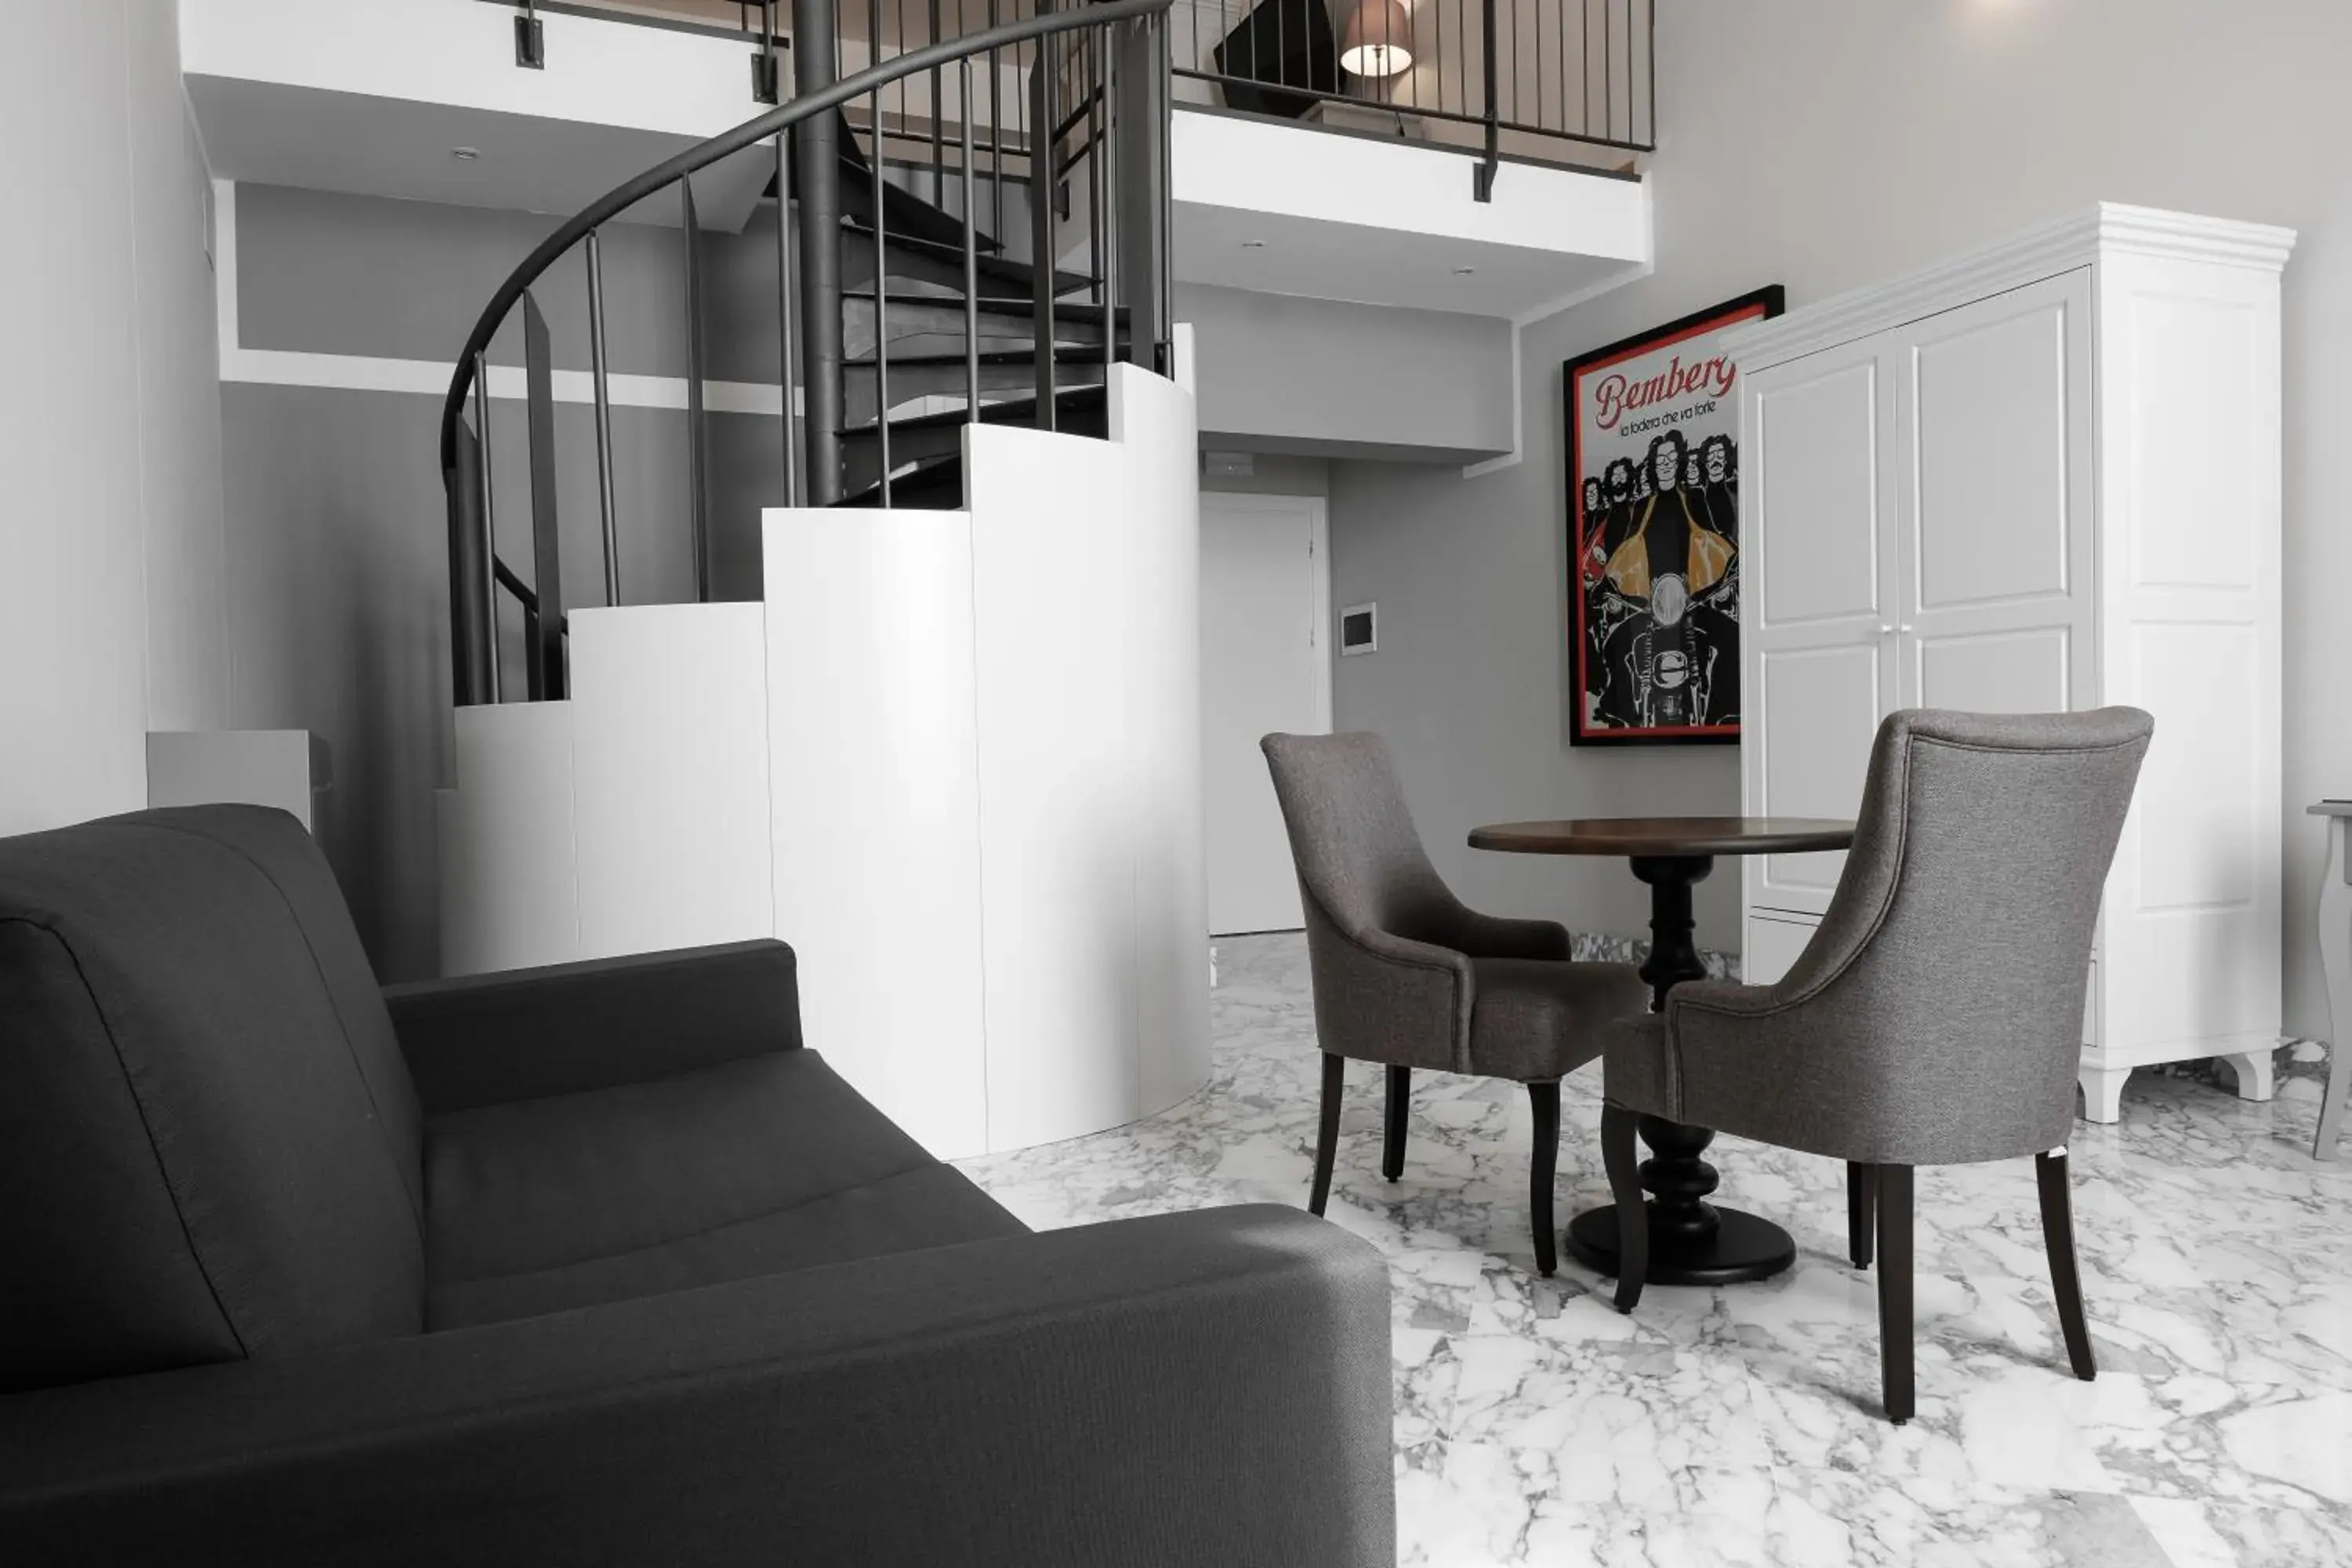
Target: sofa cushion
point(746, 1168)
point(209, 1147)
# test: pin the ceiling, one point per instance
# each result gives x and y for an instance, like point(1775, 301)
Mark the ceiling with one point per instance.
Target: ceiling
point(1289, 254)
point(273, 133)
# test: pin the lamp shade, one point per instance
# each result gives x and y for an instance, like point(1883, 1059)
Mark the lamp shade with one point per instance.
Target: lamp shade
point(1379, 39)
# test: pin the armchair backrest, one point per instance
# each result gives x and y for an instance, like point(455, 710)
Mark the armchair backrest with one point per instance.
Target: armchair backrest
point(1360, 861)
point(1957, 948)
point(209, 1145)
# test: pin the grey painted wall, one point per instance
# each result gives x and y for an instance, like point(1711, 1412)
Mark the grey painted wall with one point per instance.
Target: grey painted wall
point(1825, 146)
point(1271, 474)
point(110, 609)
point(337, 533)
point(338, 601)
point(1319, 377)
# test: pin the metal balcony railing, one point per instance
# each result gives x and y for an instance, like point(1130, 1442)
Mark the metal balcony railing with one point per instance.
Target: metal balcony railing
point(1550, 80)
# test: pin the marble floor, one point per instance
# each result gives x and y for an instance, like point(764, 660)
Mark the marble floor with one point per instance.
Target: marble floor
point(1741, 1426)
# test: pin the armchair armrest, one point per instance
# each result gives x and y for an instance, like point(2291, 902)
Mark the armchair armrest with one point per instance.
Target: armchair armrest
point(525, 1034)
point(1203, 1388)
point(1496, 936)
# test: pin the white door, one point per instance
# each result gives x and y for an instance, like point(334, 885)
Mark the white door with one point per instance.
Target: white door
point(1263, 653)
point(1818, 578)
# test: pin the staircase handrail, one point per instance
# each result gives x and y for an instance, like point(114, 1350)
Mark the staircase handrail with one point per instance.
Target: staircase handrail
point(726, 145)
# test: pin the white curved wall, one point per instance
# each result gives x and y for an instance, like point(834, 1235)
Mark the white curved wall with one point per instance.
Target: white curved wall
point(984, 773)
point(954, 759)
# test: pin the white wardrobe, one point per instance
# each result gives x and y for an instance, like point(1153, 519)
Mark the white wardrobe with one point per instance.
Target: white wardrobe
point(2043, 476)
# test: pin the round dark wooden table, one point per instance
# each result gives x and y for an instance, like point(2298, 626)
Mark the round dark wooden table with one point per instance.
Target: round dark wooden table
point(1692, 1241)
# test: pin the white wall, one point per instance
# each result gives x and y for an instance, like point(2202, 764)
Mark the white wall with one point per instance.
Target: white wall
point(110, 618)
point(986, 777)
point(1823, 145)
point(1326, 378)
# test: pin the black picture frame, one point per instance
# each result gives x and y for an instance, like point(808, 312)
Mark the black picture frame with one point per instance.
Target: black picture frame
point(1608, 692)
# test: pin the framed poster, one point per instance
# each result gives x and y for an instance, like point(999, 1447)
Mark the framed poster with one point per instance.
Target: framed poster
point(1654, 533)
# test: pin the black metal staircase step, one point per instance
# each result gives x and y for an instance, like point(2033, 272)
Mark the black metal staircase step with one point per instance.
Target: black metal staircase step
point(1076, 397)
point(924, 326)
point(933, 484)
point(1066, 353)
point(948, 377)
point(1081, 411)
point(904, 212)
point(931, 262)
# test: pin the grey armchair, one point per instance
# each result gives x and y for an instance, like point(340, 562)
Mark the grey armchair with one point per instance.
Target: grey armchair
point(1936, 1017)
point(1406, 976)
point(592, 1265)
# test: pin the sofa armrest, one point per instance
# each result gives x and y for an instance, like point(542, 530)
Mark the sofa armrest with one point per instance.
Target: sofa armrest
point(1208, 1388)
point(525, 1034)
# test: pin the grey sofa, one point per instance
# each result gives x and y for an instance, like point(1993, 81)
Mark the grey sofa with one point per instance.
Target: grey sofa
point(586, 1264)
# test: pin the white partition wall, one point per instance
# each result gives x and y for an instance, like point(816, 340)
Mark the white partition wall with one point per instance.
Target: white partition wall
point(985, 775)
point(876, 803)
point(1153, 421)
point(953, 758)
point(669, 776)
point(509, 888)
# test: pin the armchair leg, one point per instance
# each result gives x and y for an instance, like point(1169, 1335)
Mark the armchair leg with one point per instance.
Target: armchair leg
point(1861, 1182)
point(1326, 1130)
point(1894, 1266)
point(1392, 1134)
point(1618, 1157)
point(1542, 1166)
point(2058, 1236)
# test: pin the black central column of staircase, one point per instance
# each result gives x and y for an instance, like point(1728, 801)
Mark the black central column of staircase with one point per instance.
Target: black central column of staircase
point(816, 154)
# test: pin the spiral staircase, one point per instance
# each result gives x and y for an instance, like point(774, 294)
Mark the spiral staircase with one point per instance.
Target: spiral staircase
point(962, 717)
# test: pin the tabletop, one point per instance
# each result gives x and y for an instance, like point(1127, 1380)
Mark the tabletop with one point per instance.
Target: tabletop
point(1665, 835)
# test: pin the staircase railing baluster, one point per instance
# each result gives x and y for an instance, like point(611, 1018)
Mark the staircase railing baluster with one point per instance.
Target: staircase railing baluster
point(1106, 246)
point(1044, 116)
point(970, 281)
point(473, 593)
point(939, 129)
point(881, 271)
point(1095, 108)
point(1162, 91)
point(816, 159)
point(546, 667)
point(995, 134)
point(697, 474)
point(597, 373)
point(796, 493)
point(489, 551)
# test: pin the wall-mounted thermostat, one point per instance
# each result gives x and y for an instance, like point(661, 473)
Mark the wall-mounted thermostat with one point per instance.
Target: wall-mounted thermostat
point(1359, 629)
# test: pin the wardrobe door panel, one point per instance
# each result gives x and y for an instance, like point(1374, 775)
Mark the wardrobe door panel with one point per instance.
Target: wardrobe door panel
point(1824, 704)
point(1994, 517)
point(1817, 553)
point(1819, 506)
point(1996, 672)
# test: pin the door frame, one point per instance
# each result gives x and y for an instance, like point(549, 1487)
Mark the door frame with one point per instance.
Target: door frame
point(1318, 579)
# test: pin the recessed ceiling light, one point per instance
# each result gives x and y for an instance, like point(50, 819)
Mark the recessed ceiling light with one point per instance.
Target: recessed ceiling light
point(1464, 271)
point(465, 155)
point(1253, 245)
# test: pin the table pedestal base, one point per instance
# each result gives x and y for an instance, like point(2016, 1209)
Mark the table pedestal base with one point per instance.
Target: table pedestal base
point(1692, 1241)
point(1740, 1247)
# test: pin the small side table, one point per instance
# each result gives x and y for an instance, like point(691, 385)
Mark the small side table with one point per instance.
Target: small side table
point(1692, 1242)
point(2336, 962)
